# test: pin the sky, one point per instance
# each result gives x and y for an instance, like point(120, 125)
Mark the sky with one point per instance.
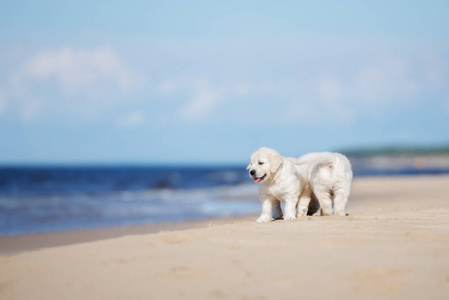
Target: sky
point(209, 82)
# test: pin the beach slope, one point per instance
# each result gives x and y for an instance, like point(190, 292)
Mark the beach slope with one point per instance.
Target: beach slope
point(394, 244)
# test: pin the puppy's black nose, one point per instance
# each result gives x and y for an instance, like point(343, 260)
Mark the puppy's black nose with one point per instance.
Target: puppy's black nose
point(252, 172)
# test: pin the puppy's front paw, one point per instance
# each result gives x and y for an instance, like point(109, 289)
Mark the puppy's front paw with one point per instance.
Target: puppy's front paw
point(289, 217)
point(263, 219)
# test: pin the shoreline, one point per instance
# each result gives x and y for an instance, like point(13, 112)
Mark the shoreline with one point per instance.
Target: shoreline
point(16, 244)
point(360, 203)
point(12, 245)
point(393, 244)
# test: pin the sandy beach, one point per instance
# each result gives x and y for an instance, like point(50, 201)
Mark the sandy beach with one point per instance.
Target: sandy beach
point(393, 245)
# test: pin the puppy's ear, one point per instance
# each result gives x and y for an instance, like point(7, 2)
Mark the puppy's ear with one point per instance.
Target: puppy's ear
point(248, 167)
point(275, 161)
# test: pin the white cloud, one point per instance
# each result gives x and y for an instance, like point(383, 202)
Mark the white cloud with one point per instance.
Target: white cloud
point(78, 69)
point(203, 103)
point(387, 80)
point(132, 119)
point(326, 95)
point(339, 93)
point(310, 86)
point(76, 82)
point(344, 97)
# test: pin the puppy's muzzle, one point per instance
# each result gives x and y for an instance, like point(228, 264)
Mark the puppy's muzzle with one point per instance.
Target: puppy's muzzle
point(255, 178)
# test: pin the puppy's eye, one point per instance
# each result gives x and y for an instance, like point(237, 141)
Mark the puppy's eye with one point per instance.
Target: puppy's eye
point(260, 162)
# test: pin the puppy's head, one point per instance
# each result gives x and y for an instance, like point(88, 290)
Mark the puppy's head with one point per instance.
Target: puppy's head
point(264, 163)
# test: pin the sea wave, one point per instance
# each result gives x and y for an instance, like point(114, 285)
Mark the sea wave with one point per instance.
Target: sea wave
point(40, 213)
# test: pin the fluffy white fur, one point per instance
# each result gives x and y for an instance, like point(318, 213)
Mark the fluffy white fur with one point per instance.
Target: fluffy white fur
point(279, 181)
point(329, 178)
point(305, 184)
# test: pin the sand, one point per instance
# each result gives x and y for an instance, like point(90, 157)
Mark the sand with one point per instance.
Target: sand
point(393, 245)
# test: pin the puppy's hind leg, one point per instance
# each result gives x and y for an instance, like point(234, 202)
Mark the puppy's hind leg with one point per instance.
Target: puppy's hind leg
point(340, 200)
point(325, 202)
point(277, 211)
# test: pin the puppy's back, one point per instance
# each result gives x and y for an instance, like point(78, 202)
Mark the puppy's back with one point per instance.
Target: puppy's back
point(318, 158)
point(331, 158)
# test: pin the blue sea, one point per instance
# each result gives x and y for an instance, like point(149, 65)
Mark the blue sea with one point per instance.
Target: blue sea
point(45, 199)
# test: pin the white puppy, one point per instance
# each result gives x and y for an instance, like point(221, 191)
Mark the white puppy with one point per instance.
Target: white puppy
point(329, 177)
point(279, 180)
point(307, 180)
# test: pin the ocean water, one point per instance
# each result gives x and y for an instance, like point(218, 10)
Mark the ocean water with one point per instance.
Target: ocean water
point(44, 199)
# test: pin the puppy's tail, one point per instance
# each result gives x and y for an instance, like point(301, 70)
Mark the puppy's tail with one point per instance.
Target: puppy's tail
point(332, 160)
point(342, 163)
